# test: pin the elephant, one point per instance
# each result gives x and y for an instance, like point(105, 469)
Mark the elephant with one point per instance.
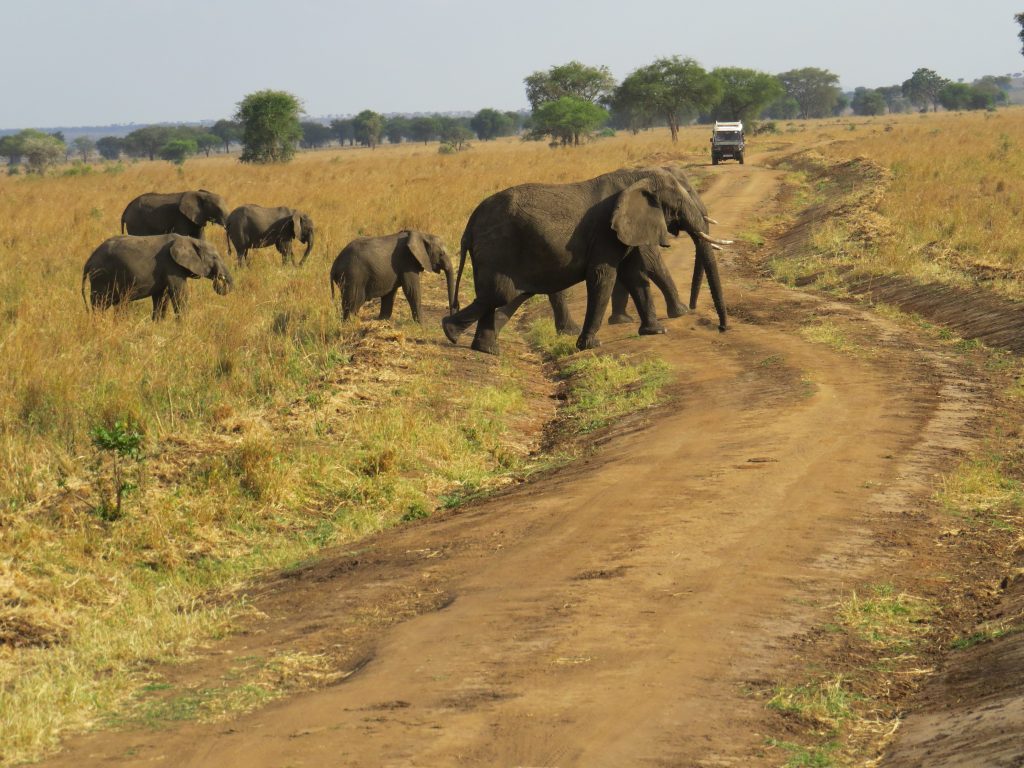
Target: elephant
point(253, 226)
point(544, 238)
point(180, 213)
point(372, 267)
point(131, 267)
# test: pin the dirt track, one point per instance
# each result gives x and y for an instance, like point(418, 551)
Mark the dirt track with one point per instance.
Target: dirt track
point(613, 613)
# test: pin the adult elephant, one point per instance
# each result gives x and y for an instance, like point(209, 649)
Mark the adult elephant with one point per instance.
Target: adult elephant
point(375, 267)
point(254, 226)
point(180, 213)
point(544, 238)
point(130, 267)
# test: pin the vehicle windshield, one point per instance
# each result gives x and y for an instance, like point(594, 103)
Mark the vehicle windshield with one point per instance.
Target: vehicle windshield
point(728, 136)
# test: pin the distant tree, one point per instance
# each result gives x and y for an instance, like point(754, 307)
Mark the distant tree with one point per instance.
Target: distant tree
point(575, 79)
point(344, 130)
point(396, 128)
point(178, 151)
point(315, 134)
point(842, 102)
point(453, 130)
point(989, 91)
point(228, 131)
point(1019, 18)
point(923, 88)
point(816, 91)
point(629, 109)
point(84, 146)
point(10, 147)
point(516, 120)
point(369, 127)
point(566, 119)
point(895, 101)
point(270, 126)
point(423, 128)
point(677, 89)
point(868, 101)
point(489, 124)
point(109, 147)
point(745, 92)
point(40, 150)
point(207, 142)
point(146, 142)
point(783, 108)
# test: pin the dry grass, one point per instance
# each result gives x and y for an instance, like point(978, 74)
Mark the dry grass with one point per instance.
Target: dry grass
point(270, 430)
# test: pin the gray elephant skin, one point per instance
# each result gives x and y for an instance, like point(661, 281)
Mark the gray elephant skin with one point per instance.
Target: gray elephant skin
point(129, 267)
point(376, 267)
point(254, 226)
point(180, 213)
point(544, 238)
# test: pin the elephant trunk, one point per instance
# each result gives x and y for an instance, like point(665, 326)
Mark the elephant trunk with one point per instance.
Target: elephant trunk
point(453, 301)
point(707, 265)
point(309, 247)
point(223, 283)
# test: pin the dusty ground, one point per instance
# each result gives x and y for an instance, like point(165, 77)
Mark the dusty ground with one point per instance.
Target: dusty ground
point(618, 611)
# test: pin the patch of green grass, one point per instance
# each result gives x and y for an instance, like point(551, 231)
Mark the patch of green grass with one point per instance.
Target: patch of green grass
point(606, 387)
point(986, 635)
point(980, 489)
point(806, 757)
point(887, 619)
point(831, 335)
point(541, 335)
point(827, 703)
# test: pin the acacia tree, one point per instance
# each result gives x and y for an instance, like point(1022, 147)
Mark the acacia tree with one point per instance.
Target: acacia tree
point(227, 131)
point(423, 128)
point(396, 128)
point(270, 126)
point(923, 88)
point(315, 134)
point(566, 119)
point(592, 84)
point(206, 142)
point(344, 131)
point(368, 127)
point(745, 92)
point(146, 142)
point(868, 101)
point(41, 151)
point(816, 91)
point(490, 123)
point(84, 146)
point(678, 89)
point(109, 147)
point(1019, 18)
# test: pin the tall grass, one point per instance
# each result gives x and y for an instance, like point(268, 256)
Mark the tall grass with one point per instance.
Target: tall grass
point(270, 430)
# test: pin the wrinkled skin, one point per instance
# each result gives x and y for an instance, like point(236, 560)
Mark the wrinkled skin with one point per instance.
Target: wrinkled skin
point(253, 226)
point(180, 213)
point(128, 268)
point(376, 267)
point(544, 238)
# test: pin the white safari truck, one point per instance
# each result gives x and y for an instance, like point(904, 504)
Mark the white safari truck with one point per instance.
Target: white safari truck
point(727, 142)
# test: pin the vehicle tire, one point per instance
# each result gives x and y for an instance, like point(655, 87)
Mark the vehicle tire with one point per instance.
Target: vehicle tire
point(741, 158)
point(714, 159)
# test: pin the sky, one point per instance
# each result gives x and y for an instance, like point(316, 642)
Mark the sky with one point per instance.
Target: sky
point(67, 63)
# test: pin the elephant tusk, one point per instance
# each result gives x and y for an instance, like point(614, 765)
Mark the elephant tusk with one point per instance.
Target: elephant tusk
point(716, 247)
point(709, 220)
point(712, 240)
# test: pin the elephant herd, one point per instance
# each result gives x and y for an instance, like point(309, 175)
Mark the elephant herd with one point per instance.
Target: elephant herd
point(529, 239)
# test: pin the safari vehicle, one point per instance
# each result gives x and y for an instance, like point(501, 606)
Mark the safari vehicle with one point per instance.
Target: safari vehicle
point(727, 142)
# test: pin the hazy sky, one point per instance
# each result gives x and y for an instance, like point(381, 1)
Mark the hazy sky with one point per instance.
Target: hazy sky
point(94, 62)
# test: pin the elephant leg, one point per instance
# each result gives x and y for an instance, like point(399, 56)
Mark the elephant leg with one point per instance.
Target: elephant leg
point(352, 299)
point(503, 314)
point(387, 304)
point(179, 299)
point(620, 303)
point(285, 249)
point(159, 305)
point(600, 279)
point(560, 309)
point(411, 289)
point(486, 338)
point(655, 268)
point(457, 324)
point(631, 274)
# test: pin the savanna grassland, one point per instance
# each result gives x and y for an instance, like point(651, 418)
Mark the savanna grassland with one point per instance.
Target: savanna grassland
point(246, 436)
point(268, 430)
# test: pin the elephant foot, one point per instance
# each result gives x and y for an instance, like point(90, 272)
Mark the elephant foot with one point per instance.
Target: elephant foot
point(722, 328)
point(570, 329)
point(677, 310)
point(488, 346)
point(620, 318)
point(693, 305)
point(587, 342)
point(652, 330)
point(452, 330)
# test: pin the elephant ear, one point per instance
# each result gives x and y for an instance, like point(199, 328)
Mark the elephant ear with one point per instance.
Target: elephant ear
point(638, 218)
point(419, 249)
point(191, 207)
point(187, 255)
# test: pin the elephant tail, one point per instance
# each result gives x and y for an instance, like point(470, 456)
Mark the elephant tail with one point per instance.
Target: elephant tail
point(85, 275)
point(122, 223)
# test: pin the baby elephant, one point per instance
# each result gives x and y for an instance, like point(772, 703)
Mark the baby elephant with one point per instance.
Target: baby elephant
point(253, 226)
point(128, 268)
point(371, 267)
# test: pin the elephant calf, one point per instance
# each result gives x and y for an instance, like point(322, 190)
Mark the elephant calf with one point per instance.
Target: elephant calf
point(181, 213)
point(253, 226)
point(372, 267)
point(127, 268)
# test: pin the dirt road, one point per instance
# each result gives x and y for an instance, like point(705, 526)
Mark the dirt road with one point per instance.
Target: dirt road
point(615, 612)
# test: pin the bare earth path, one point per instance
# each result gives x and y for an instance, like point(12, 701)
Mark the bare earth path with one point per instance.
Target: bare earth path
point(614, 612)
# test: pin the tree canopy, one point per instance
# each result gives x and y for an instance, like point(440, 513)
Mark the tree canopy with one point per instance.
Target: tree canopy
point(368, 127)
point(923, 88)
point(315, 134)
point(575, 79)
point(677, 89)
point(38, 150)
point(229, 131)
point(110, 147)
point(868, 101)
point(490, 124)
point(815, 91)
point(270, 126)
point(567, 118)
point(745, 92)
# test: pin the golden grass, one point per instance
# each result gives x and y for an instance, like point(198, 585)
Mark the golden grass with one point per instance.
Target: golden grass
point(270, 429)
